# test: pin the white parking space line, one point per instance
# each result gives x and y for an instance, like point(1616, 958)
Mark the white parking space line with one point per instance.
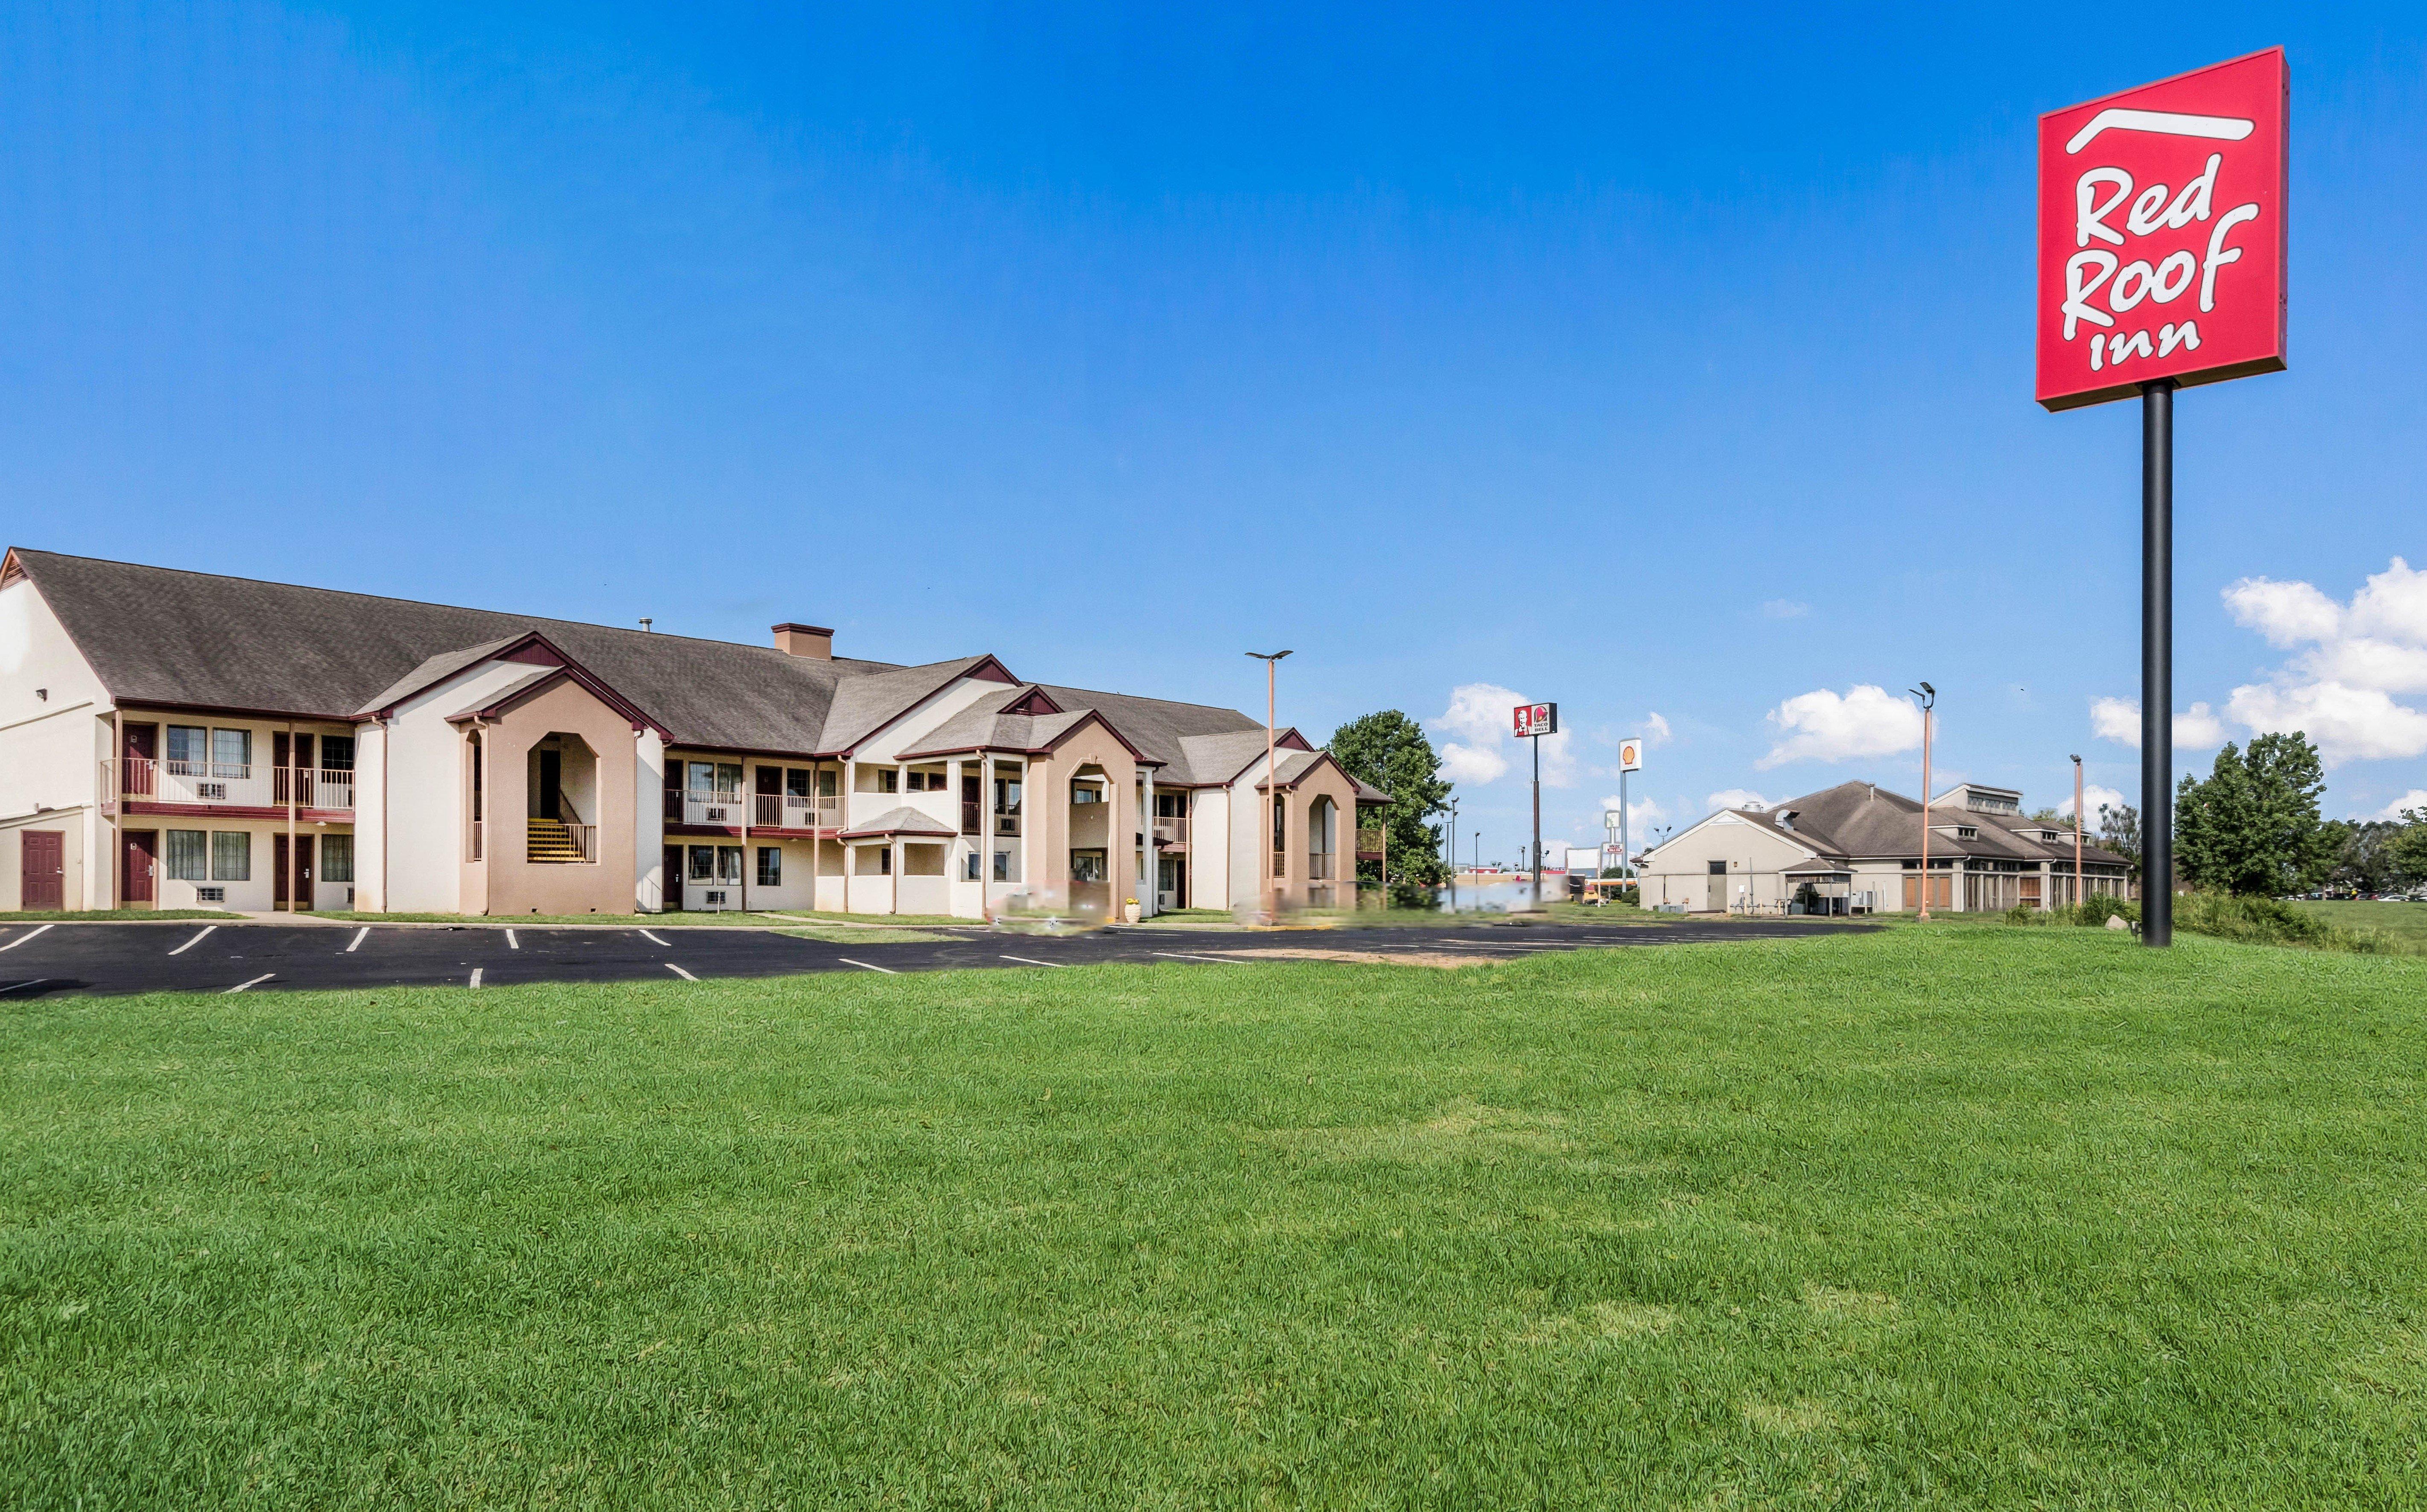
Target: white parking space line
point(865, 967)
point(512, 943)
point(1025, 961)
point(475, 975)
point(651, 938)
point(255, 982)
point(20, 987)
point(21, 939)
point(680, 973)
point(355, 943)
point(1183, 955)
point(196, 940)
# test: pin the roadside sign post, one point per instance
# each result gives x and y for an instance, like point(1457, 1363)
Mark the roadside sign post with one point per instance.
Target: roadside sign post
point(2161, 267)
point(1630, 758)
point(1533, 722)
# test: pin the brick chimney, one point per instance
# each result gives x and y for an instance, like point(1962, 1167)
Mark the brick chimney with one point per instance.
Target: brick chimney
point(812, 640)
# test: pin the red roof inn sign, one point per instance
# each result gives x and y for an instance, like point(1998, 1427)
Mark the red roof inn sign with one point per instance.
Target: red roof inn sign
point(2161, 234)
point(2162, 266)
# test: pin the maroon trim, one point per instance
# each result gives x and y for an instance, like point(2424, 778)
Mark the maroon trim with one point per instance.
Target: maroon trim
point(1036, 701)
point(311, 816)
point(863, 835)
point(537, 655)
point(156, 705)
point(805, 629)
point(991, 670)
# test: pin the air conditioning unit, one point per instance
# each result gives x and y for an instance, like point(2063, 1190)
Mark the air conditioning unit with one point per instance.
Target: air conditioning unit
point(714, 900)
point(211, 790)
point(715, 816)
point(211, 895)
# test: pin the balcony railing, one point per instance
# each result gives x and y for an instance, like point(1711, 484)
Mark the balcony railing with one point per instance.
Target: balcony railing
point(705, 805)
point(1172, 829)
point(1280, 863)
point(236, 784)
point(794, 812)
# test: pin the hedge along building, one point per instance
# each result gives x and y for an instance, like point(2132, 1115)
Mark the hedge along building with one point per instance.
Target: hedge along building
point(176, 739)
point(1857, 847)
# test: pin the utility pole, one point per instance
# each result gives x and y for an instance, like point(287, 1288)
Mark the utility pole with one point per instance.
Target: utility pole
point(1272, 778)
point(1929, 698)
point(2076, 831)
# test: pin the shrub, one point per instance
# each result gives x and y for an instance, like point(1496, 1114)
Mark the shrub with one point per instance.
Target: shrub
point(2267, 921)
point(2096, 910)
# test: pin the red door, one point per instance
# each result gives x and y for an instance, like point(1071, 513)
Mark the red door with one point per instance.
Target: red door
point(143, 864)
point(136, 781)
point(43, 873)
point(303, 868)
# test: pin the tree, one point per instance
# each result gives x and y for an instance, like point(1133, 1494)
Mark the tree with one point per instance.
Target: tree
point(2364, 858)
point(1389, 750)
point(2251, 826)
point(2405, 849)
point(2119, 830)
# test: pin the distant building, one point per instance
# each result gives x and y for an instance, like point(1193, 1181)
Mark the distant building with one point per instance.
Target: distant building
point(1857, 848)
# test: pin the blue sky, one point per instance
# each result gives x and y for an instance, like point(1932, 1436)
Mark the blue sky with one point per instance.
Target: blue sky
point(1657, 366)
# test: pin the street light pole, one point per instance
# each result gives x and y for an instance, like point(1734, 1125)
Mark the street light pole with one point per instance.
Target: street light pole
point(2076, 831)
point(1929, 698)
point(1272, 778)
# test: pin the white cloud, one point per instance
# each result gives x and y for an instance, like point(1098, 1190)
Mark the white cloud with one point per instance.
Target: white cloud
point(2094, 798)
point(1786, 609)
point(2346, 723)
point(1642, 814)
point(1821, 725)
point(2196, 729)
point(1470, 766)
point(2339, 689)
point(1655, 729)
point(2415, 799)
point(1738, 798)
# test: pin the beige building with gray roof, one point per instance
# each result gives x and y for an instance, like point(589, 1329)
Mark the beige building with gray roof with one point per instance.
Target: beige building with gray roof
point(173, 739)
point(1857, 848)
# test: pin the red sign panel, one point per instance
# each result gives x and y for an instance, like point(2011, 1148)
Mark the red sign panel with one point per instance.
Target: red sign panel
point(2161, 234)
point(1537, 719)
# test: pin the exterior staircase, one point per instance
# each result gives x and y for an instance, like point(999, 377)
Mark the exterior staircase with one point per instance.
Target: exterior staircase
point(550, 843)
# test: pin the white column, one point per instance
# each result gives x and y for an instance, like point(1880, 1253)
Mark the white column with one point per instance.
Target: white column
point(649, 879)
point(1150, 885)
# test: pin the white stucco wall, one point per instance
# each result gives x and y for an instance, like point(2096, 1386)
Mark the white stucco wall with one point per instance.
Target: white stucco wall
point(51, 747)
point(423, 786)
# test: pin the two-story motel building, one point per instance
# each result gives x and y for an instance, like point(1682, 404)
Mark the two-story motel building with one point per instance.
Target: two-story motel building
point(180, 739)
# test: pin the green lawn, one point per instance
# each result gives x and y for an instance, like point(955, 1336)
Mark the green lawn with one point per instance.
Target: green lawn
point(1970, 1216)
point(2405, 923)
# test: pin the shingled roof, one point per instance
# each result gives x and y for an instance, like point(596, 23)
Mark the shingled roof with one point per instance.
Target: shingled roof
point(166, 637)
point(1857, 820)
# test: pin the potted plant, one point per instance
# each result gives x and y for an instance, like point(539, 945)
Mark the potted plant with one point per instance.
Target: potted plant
point(1129, 910)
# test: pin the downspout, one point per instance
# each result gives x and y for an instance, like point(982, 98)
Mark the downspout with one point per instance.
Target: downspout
point(986, 837)
point(386, 768)
point(749, 803)
point(116, 767)
point(843, 824)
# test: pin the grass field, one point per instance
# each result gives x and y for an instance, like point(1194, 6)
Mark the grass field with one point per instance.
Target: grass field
point(1968, 1216)
point(2405, 923)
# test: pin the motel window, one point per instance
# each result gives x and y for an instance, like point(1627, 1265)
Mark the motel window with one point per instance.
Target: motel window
point(231, 856)
point(796, 781)
point(337, 858)
point(231, 752)
point(878, 780)
point(828, 782)
point(969, 867)
point(1006, 795)
point(188, 748)
point(336, 754)
point(872, 861)
point(703, 863)
point(1085, 792)
point(1006, 866)
point(190, 853)
point(716, 777)
point(1089, 866)
point(923, 781)
point(728, 864)
point(771, 866)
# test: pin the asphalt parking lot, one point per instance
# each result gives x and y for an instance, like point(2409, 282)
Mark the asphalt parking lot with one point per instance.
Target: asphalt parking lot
point(39, 960)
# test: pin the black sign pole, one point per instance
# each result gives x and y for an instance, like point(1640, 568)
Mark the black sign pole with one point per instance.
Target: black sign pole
point(1538, 822)
point(2157, 663)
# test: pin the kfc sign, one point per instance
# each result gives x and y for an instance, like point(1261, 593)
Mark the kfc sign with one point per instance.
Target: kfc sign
point(2161, 234)
point(1537, 719)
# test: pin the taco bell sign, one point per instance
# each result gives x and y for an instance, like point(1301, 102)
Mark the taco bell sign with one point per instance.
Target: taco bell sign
point(2161, 234)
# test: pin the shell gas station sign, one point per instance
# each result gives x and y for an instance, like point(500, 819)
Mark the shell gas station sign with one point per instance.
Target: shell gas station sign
point(2161, 234)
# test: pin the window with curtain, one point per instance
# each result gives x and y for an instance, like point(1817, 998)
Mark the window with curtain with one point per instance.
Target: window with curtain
point(190, 855)
point(771, 866)
point(231, 856)
point(231, 752)
point(728, 863)
point(337, 858)
point(703, 863)
point(189, 747)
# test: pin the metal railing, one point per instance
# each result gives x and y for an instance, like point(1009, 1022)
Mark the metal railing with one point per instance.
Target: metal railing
point(1171, 828)
point(238, 784)
point(794, 812)
point(705, 805)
